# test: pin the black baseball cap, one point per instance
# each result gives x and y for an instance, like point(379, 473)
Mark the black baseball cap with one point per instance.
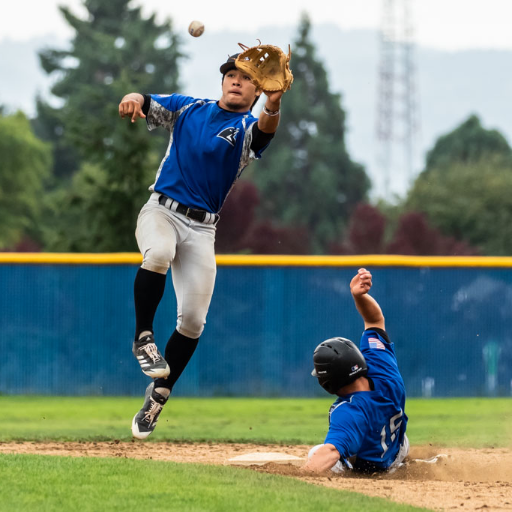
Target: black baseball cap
point(229, 64)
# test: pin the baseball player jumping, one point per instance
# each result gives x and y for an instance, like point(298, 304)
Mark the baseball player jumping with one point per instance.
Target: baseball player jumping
point(367, 422)
point(211, 142)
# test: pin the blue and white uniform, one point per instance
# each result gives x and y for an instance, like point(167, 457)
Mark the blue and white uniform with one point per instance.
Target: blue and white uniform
point(208, 149)
point(371, 424)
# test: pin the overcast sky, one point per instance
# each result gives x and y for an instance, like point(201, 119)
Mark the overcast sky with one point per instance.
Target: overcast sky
point(443, 24)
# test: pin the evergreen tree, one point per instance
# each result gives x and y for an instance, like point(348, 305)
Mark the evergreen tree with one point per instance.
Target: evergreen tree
point(307, 177)
point(115, 51)
point(48, 126)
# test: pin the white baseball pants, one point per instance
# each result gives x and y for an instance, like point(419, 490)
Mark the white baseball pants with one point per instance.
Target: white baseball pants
point(169, 239)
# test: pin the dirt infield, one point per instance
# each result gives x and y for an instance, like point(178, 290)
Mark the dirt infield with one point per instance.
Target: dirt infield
point(464, 480)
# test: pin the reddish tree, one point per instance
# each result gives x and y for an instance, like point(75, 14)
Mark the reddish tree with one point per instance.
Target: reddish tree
point(237, 217)
point(239, 231)
point(265, 238)
point(415, 236)
point(26, 244)
point(365, 232)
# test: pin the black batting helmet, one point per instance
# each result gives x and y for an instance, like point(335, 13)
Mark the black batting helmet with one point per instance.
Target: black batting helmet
point(338, 362)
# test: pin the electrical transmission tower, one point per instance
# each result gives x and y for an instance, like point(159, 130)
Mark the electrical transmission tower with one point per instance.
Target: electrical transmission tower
point(397, 105)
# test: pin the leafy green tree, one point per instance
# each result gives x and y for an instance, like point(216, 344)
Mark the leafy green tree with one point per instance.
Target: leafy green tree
point(470, 202)
point(26, 163)
point(114, 51)
point(469, 142)
point(464, 189)
point(307, 177)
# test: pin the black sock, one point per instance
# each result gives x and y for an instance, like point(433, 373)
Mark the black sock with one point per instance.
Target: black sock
point(178, 352)
point(148, 290)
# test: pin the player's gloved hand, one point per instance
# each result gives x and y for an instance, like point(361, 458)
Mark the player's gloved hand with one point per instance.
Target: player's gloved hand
point(131, 108)
point(267, 65)
point(361, 282)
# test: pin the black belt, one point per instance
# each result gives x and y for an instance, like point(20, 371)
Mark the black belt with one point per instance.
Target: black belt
point(191, 213)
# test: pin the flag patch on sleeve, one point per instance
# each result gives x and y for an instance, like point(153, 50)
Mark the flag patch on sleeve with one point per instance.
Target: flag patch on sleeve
point(376, 343)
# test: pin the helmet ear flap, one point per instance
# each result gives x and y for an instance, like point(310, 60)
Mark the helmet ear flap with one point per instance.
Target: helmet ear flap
point(327, 385)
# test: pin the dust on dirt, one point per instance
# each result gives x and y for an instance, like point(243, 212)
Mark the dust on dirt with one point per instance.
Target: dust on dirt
point(466, 479)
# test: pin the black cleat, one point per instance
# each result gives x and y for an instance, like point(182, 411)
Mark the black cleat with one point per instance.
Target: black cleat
point(151, 361)
point(144, 422)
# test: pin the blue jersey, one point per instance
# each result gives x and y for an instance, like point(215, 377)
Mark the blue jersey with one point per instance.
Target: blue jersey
point(208, 149)
point(371, 424)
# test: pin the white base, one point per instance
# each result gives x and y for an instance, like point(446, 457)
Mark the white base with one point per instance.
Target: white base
point(261, 458)
point(432, 460)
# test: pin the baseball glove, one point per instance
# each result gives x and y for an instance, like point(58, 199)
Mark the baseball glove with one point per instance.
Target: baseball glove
point(267, 65)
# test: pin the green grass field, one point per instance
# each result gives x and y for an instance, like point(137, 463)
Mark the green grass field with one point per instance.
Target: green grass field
point(444, 422)
point(46, 483)
point(32, 482)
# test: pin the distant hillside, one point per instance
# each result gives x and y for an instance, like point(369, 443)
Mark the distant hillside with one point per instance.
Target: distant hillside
point(451, 86)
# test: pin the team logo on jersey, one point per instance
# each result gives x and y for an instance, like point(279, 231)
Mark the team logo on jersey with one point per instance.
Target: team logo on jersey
point(376, 343)
point(229, 134)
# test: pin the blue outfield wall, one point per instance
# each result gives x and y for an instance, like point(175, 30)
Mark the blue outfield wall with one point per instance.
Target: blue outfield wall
point(67, 329)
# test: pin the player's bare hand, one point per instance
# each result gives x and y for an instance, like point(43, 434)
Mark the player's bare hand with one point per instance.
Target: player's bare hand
point(131, 108)
point(274, 98)
point(361, 282)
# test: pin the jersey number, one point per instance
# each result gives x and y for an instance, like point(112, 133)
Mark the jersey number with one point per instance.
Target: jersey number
point(394, 425)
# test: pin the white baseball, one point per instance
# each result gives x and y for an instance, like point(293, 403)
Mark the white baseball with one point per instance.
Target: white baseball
point(196, 28)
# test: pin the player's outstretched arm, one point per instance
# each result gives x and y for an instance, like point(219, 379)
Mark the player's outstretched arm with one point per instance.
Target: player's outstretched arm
point(322, 460)
point(270, 115)
point(367, 306)
point(131, 106)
